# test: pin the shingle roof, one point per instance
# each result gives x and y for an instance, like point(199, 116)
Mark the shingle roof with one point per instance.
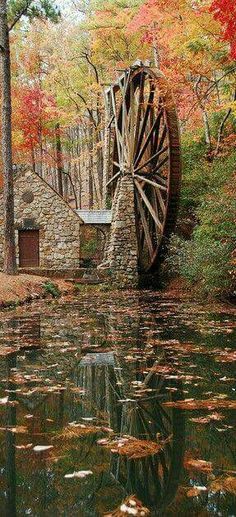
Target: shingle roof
point(95, 216)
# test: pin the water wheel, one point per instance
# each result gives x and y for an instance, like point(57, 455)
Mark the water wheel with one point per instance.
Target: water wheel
point(147, 146)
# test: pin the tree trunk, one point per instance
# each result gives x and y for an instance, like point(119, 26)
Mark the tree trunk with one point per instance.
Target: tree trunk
point(59, 159)
point(8, 192)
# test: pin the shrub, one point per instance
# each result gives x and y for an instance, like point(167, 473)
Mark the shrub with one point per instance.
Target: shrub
point(52, 289)
point(207, 260)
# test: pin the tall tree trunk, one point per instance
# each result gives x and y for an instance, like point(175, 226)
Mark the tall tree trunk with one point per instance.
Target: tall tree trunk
point(90, 166)
point(59, 159)
point(8, 192)
point(32, 157)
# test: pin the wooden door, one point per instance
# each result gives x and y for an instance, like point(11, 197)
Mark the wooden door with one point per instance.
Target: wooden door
point(29, 248)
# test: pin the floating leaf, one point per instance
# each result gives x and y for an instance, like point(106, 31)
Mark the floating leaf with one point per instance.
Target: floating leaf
point(80, 474)
point(225, 484)
point(42, 448)
point(202, 465)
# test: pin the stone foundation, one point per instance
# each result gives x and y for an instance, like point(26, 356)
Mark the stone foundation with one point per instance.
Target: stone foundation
point(121, 254)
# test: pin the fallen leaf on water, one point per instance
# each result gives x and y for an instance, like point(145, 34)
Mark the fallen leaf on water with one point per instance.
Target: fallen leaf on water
point(23, 447)
point(226, 357)
point(133, 447)
point(226, 484)
point(20, 429)
point(209, 418)
point(196, 490)
point(131, 506)
point(42, 448)
point(191, 404)
point(6, 402)
point(80, 474)
point(202, 465)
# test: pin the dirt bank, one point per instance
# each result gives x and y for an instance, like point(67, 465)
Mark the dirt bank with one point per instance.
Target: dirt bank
point(22, 288)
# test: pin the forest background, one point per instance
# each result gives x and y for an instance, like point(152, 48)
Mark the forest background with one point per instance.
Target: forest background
point(59, 74)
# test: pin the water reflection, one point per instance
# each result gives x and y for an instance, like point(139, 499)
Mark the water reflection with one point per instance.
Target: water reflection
point(102, 369)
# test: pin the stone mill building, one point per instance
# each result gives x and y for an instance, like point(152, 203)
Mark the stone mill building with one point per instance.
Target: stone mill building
point(47, 228)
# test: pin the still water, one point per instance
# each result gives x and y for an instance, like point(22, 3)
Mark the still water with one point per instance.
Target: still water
point(107, 396)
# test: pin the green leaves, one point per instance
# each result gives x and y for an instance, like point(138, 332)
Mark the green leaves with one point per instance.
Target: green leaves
point(32, 9)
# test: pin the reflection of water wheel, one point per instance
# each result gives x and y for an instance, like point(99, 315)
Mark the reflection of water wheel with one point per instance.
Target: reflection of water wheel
point(147, 146)
point(154, 478)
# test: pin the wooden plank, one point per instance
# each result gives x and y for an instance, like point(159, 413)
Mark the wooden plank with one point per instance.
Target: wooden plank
point(140, 107)
point(145, 226)
point(164, 133)
point(116, 125)
point(160, 164)
point(145, 119)
point(158, 153)
point(113, 178)
point(144, 147)
point(148, 205)
point(161, 202)
point(150, 182)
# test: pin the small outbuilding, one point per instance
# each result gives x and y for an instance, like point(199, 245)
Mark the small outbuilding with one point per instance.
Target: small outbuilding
point(47, 228)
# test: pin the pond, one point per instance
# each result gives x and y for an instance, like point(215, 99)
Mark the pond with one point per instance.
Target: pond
point(117, 400)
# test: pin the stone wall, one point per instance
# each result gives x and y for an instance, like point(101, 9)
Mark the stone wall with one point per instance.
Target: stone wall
point(58, 224)
point(121, 254)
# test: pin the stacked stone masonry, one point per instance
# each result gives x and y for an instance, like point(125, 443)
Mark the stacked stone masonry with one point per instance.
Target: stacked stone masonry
point(57, 222)
point(121, 256)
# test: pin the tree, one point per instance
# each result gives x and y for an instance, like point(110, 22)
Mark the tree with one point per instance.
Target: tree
point(10, 15)
point(195, 58)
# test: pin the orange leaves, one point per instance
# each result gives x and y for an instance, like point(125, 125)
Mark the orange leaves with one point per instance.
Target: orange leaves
point(133, 447)
point(198, 465)
point(207, 419)
point(225, 484)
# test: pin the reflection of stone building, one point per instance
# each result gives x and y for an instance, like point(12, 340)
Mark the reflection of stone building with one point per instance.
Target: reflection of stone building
point(47, 228)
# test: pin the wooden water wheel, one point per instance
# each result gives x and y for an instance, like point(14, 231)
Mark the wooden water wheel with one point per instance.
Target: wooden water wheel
point(147, 146)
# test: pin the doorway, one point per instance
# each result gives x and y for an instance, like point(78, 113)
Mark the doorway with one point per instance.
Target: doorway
point(28, 248)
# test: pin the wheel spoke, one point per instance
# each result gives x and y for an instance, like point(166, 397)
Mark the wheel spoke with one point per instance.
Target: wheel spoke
point(145, 226)
point(140, 107)
point(116, 126)
point(113, 178)
point(158, 153)
point(149, 136)
point(145, 119)
point(150, 182)
point(148, 205)
point(161, 164)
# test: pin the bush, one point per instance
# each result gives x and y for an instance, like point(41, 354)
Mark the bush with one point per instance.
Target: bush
point(201, 177)
point(52, 289)
point(207, 260)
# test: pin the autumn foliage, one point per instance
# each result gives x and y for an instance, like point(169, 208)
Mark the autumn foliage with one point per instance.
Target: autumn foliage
point(225, 12)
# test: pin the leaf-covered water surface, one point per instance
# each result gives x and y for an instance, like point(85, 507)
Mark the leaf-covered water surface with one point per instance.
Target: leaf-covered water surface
point(117, 404)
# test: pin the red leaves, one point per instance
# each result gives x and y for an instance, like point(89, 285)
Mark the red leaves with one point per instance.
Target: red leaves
point(37, 110)
point(225, 12)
